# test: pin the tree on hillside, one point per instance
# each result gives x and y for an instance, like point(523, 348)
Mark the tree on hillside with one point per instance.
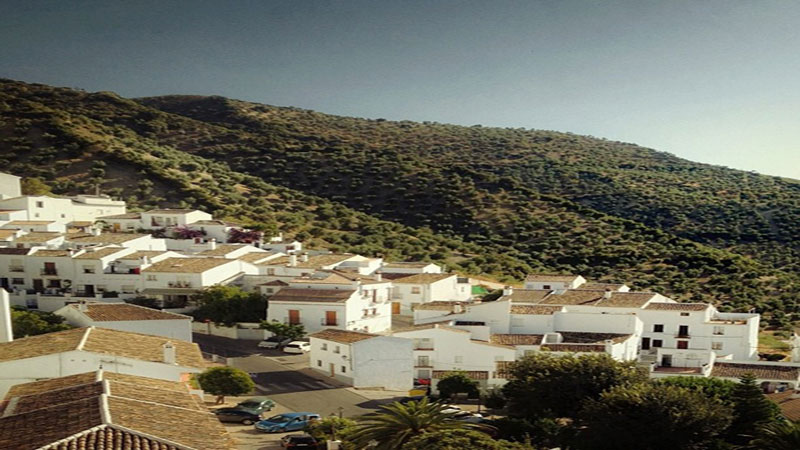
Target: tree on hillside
point(34, 186)
point(651, 416)
point(457, 383)
point(777, 436)
point(30, 323)
point(290, 331)
point(542, 384)
point(229, 304)
point(398, 423)
point(222, 381)
point(460, 440)
point(751, 410)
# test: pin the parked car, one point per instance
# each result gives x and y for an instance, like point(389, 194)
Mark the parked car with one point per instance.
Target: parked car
point(297, 347)
point(286, 422)
point(299, 441)
point(257, 405)
point(466, 416)
point(274, 342)
point(238, 415)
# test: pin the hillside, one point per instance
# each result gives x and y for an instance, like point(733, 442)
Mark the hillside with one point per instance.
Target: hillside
point(483, 200)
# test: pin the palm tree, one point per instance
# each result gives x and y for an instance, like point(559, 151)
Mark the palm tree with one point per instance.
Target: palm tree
point(398, 423)
point(778, 436)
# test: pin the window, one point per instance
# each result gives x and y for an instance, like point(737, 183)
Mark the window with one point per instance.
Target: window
point(683, 330)
point(458, 359)
point(415, 290)
point(546, 286)
point(17, 281)
point(719, 331)
point(658, 328)
point(268, 290)
point(40, 204)
point(151, 278)
point(88, 269)
point(325, 346)
point(683, 345)
point(684, 314)
point(716, 346)
point(63, 216)
point(344, 369)
point(658, 343)
point(270, 271)
point(319, 363)
point(337, 349)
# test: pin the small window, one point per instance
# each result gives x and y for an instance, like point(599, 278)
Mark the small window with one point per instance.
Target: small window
point(63, 216)
point(40, 204)
point(17, 281)
point(716, 346)
point(319, 363)
point(458, 359)
point(324, 346)
point(151, 278)
point(684, 314)
point(683, 345)
point(658, 343)
point(546, 286)
point(415, 290)
point(336, 349)
point(719, 331)
point(658, 328)
point(344, 369)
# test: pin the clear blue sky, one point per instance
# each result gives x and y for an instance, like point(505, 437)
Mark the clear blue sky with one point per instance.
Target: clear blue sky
point(711, 81)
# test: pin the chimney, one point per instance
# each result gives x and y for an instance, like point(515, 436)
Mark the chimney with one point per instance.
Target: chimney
point(507, 290)
point(457, 308)
point(145, 260)
point(212, 244)
point(378, 276)
point(6, 334)
point(292, 260)
point(607, 294)
point(83, 307)
point(169, 353)
point(304, 257)
point(96, 231)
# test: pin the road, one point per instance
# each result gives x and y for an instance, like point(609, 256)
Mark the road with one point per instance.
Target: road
point(287, 379)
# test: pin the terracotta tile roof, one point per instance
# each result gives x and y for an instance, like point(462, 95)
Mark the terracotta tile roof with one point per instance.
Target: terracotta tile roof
point(30, 222)
point(81, 223)
point(37, 237)
point(122, 216)
point(112, 312)
point(139, 254)
point(100, 253)
point(574, 297)
point(597, 298)
point(535, 309)
point(406, 265)
point(600, 287)
point(789, 403)
point(138, 417)
point(551, 277)
point(5, 234)
point(438, 305)
point(516, 339)
point(678, 306)
point(503, 368)
point(186, 265)
point(627, 299)
point(342, 336)
point(528, 295)
point(423, 278)
point(100, 340)
point(50, 253)
point(224, 249)
point(323, 278)
point(14, 251)
point(37, 387)
point(760, 371)
point(575, 348)
point(255, 257)
point(314, 261)
point(312, 295)
point(105, 238)
point(472, 374)
point(580, 337)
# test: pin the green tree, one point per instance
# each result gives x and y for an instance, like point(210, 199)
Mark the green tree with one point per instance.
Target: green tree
point(34, 186)
point(457, 383)
point(229, 304)
point(751, 410)
point(397, 423)
point(290, 331)
point(777, 436)
point(30, 323)
point(710, 387)
point(222, 381)
point(650, 416)
point(332, 428)
point(543, 385)
point(460, 439)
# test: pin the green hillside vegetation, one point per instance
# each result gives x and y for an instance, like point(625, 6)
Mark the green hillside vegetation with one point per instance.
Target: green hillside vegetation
point(503, 202)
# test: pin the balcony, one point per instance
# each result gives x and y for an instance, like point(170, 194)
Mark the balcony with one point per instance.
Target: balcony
point(682, 336)
point(423, 364)
point(179, 284)
point(329, 323)
point(16, 269)
point(423, 347)
point(48, 272)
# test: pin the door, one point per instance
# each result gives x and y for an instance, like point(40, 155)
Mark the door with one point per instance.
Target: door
point(683, 330)
point(395, 307)
point(89, 288)
point(38, 286)
point(332, 369)
point(49, 268)
point(645, 343)
point(294, 316)
point(666, 360)
point(330, 318)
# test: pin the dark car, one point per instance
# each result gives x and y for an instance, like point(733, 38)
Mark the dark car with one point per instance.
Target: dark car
point(299, 441)
point(256, 405)
point(237, 415)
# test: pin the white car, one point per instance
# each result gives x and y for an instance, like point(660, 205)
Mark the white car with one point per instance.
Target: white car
point(297, 347)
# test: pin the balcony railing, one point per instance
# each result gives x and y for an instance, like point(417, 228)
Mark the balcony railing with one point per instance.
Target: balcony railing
point(423, 347)
point(16, 269)
point(329, 323)
point(682, 335)
point(49, 272)
point(179, 284)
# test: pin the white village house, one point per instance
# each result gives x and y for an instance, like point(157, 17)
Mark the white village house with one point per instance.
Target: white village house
point(128, 317)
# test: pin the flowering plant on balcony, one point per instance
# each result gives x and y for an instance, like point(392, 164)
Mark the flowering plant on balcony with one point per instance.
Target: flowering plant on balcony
point(183, 232)
point(239, 235)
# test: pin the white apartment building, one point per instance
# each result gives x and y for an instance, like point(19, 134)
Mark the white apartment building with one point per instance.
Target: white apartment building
point(362, 359)
point(175, 280)
point(421, 288)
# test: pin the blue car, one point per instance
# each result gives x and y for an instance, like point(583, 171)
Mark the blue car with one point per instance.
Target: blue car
point(286, 422)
